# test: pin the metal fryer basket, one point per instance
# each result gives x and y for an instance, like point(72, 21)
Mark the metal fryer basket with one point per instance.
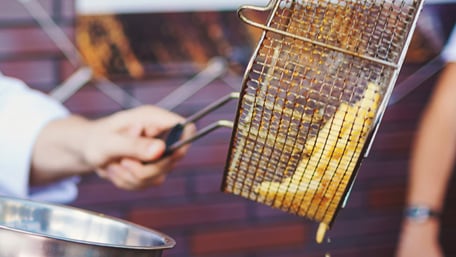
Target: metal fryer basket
point(312, 99)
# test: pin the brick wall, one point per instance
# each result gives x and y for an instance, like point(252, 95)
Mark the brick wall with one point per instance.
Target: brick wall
point(189, 206)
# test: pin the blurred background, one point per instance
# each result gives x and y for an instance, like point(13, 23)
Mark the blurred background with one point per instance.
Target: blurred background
point(182, 56)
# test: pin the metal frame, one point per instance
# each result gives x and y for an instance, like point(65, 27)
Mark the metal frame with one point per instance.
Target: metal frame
point(272, 7)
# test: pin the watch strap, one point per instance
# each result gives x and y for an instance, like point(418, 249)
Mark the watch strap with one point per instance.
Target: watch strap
point(421, 213)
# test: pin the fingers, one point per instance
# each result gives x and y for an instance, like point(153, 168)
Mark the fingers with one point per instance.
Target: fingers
point(122, 145)
point(142, 123)
point(131, 174)
point(152, 119)
point(129, 153)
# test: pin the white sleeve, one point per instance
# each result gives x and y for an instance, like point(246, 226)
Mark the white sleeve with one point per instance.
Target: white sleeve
point(23, 113)
point(449, 52)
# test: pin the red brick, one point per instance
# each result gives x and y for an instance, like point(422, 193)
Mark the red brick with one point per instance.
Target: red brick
point(262, 212)
point(195, 214)
point(181, 248)
point(207, 155)
point(401, 112)
point(37, 74)
point(355, 198)
point(68, 9)
point(399, 140)
point(20, 42)
point(209, 182)
point(382, 170)
point(153, 90)
point(367, 225)
point(13, 10)
point(391, 197)
point(214, 91)
point(66, 69)
point(219, 241)
point(378, 250)
point(104, 192)
point(89, 100)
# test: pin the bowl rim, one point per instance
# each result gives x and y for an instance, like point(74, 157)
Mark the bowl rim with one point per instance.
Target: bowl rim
point(168, 242)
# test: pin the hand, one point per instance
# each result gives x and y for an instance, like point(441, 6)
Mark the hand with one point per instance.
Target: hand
point(120, 144)
point(419, 240)
point(116, 146)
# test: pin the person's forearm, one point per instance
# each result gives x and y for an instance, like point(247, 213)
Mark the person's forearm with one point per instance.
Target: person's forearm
point(435, 146)
point(431, 163)
point(58, 149)
point(430, 169)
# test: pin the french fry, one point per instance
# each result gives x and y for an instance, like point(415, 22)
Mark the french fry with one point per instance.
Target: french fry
point(321, 232)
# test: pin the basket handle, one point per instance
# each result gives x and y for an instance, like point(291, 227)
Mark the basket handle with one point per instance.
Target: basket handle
point(172, 137)
point(245, 19)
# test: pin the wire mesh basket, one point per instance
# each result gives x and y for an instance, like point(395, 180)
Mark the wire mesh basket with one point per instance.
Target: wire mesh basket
point(312, 98)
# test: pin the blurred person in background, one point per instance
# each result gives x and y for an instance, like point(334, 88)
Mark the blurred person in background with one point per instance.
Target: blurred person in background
point(431, 165)
point(44, 148)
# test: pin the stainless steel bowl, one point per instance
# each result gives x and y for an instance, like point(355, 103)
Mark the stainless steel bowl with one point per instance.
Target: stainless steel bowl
point(35, 229)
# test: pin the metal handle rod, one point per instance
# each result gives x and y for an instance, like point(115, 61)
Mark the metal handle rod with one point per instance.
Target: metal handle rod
point(213, 106)
point(116, 93)
point(216, 67)
point(201, 133)
point(288, 34)
point(72, 84)
point(172, 137)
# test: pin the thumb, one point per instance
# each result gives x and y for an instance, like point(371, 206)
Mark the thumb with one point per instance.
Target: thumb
point(141, 148)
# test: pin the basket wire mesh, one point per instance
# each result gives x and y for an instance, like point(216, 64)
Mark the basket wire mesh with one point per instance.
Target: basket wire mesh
point(312, 98)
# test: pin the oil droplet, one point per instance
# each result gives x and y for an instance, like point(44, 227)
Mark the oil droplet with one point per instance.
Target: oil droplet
point(328, 241)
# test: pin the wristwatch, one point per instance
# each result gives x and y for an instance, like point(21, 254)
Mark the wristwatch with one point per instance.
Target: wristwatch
point(420, 213)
